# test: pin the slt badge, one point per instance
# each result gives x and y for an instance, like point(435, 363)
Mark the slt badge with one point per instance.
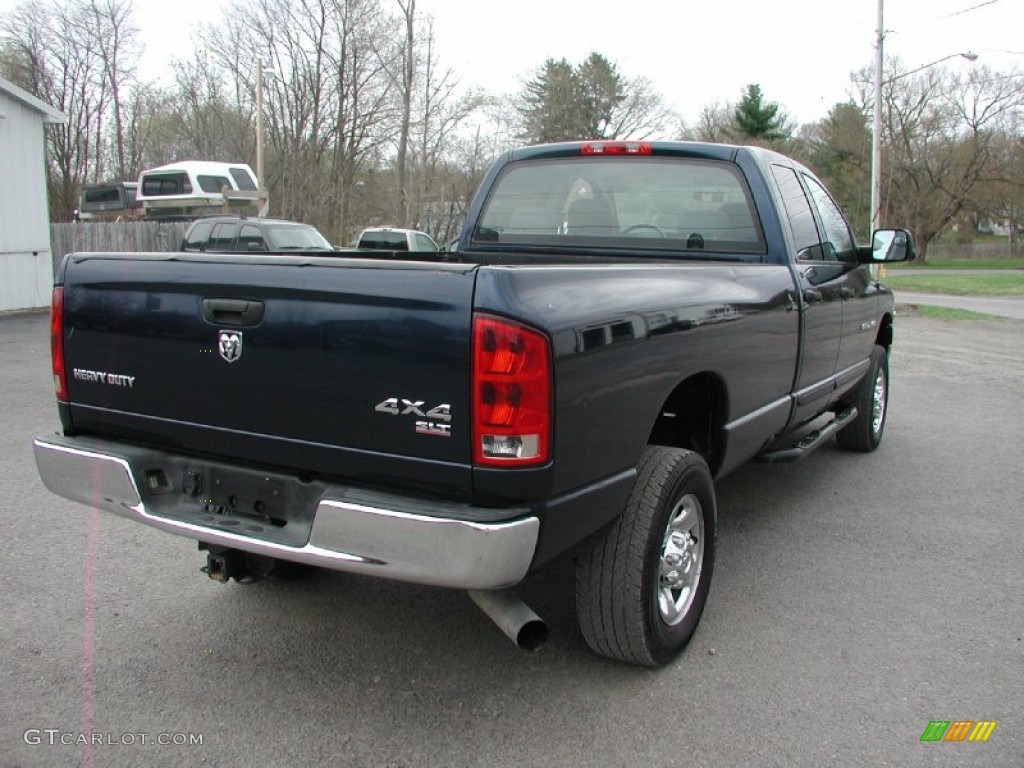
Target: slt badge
point(230, 345)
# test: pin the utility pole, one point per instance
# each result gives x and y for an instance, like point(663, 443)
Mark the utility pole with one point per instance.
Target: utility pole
point(876, 131)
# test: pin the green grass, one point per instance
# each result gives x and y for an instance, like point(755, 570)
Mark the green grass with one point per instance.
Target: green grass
point(949, 313)
point(1014, 263)
point(959, 285)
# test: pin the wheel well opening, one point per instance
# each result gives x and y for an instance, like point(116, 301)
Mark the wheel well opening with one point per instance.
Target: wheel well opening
point(884, 337)
point(692, 418)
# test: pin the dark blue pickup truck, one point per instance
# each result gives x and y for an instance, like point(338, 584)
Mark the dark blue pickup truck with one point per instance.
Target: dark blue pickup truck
point(621, 323)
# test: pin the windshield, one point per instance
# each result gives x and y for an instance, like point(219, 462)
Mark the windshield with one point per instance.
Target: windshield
point(296, 238)
point(649, 203)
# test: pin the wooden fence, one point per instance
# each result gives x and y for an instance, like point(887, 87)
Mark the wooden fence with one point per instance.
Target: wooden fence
point(117, 236)
point(1003, 250)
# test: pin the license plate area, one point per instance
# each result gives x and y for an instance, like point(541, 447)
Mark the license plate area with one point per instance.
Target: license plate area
point(259, 504)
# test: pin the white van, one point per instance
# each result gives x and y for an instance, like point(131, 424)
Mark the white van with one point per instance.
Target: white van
point(200, 188)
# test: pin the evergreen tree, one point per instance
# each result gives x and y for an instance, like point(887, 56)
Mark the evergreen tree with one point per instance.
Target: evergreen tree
point(590, 101)
point(757, 119)
point(550, 104)
point(839, 151)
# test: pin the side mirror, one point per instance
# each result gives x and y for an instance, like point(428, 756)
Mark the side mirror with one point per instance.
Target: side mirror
point(888, 245)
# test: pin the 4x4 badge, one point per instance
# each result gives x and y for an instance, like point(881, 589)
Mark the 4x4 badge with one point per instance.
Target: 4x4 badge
point(230, 345)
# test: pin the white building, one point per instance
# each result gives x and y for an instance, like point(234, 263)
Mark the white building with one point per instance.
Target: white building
point(26, 267)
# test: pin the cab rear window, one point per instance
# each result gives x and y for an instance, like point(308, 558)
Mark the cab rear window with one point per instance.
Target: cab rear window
point(384, 241)
point(648, 203)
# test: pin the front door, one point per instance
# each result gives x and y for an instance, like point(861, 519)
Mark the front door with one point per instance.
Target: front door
point(820, 300)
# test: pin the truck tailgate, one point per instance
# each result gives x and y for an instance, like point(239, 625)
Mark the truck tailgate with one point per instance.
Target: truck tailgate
point(349, 368)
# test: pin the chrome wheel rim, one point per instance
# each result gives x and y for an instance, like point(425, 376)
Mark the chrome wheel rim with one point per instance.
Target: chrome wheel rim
point(878, 403)
point(682, 555)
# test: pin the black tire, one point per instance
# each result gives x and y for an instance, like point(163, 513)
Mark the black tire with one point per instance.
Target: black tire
point(871, 397)
point(619, 580)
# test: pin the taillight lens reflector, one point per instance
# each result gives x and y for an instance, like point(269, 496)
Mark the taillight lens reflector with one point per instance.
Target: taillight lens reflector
point(60, 382)
point(511, 393)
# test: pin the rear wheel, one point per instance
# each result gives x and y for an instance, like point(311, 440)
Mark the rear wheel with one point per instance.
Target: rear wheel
point(871, 397)
point(641, 589)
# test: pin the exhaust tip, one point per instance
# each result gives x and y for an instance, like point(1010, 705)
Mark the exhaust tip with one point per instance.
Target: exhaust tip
point(514, 617)
point(532, 635)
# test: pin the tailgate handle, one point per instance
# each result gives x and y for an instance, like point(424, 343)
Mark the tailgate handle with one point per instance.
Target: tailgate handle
point(233, 311)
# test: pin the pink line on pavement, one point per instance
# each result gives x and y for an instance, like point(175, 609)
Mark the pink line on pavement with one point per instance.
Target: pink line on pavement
point(89, 626)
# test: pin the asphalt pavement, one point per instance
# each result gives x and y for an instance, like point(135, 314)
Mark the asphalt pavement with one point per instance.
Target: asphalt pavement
point(856, 599)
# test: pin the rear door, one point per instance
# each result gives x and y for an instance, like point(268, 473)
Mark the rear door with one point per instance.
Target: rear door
point(349, 368)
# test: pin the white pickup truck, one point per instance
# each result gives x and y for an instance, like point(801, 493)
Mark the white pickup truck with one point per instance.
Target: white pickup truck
point(392, 239)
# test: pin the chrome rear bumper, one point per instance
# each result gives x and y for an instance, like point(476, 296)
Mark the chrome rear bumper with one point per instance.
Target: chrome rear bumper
point(377, 539)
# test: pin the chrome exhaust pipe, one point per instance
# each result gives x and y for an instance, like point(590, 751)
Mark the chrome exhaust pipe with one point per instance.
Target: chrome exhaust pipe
point(513, 617)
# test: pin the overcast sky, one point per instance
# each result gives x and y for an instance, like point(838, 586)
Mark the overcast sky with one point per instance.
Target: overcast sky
point(801, 52)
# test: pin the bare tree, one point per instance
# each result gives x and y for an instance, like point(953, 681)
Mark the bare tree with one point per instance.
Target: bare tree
point(405, 89)
point(714, 123)
point(51, 49)
point(364, 110)
point(441, 109)
point(201, 117)
point(327, 106)
point(939, 141)
point(115, 36)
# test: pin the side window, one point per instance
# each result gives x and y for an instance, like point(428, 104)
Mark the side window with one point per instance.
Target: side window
point(250, 239)
point(242, 179)
point(839, 243)
point(214, 184)
point(198, 236)
point(798, 210)
point(424, 243)
point(223, 237)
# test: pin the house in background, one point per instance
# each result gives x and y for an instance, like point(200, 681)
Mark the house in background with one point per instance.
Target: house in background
point(26, 269)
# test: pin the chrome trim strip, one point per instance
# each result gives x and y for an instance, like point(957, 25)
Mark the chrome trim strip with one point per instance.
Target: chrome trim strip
point(783, 403)
point(855, 371)
point(346, 536)
point(837, 379)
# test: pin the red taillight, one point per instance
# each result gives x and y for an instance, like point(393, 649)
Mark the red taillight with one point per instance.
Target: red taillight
point(60, 381)
point(511, 393)
point(615, 148)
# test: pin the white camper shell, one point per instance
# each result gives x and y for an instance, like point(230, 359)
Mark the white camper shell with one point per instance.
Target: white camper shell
point(113, 201)
point(200, 188)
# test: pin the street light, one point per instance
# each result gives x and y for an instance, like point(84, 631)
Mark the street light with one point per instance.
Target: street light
point(876, 133)
point(969, 55)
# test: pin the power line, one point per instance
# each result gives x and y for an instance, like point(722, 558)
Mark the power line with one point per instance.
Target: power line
point(966, 10)
point(937, 19)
